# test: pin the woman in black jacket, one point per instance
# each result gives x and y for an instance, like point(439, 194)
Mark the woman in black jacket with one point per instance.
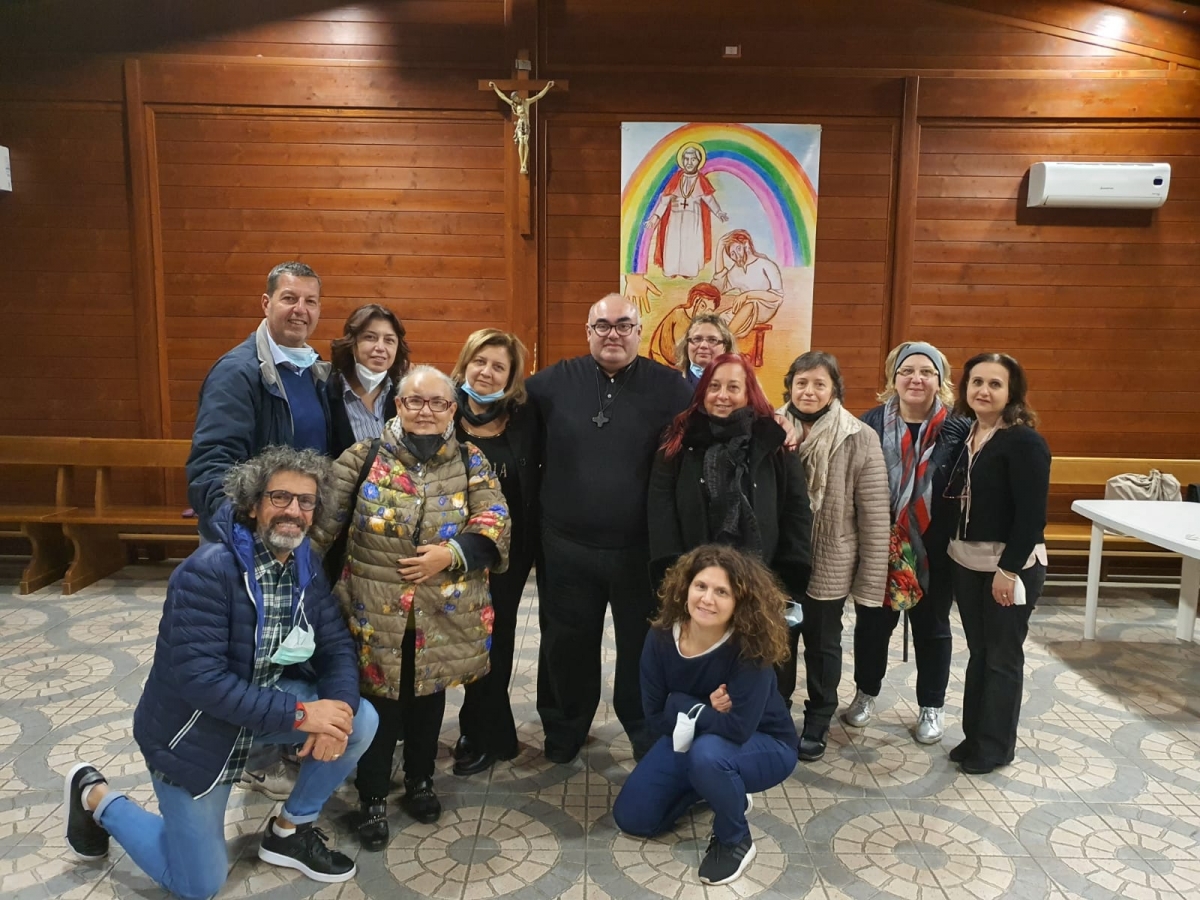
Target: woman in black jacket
point(368, 361)
point(493, 415)
point(999, 552)
point(921, 440)
point(723, 476)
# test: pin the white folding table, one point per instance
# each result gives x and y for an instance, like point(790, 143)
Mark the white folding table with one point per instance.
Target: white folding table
point(1174, 526)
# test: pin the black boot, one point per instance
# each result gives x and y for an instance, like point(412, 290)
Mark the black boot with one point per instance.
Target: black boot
point(812, 742)
point(419, 800)
point(373, 823)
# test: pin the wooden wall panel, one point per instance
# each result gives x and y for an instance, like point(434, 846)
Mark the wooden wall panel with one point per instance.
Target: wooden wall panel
point(583, 243)
point(404, 212)
point(66, 301)
point(1099, 305)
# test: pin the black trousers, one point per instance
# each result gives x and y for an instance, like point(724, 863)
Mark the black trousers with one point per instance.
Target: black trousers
point(580, 582)
point(421, 719)
point(932, 642)
point(486, 717)
point(996, 667)
point(822, 633)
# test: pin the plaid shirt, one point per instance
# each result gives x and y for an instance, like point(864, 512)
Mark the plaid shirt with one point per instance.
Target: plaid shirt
point(277, 580)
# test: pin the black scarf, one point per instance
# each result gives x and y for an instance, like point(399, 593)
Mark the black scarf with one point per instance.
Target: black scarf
point(807, 418)
point(726, 470)
point(493, 411)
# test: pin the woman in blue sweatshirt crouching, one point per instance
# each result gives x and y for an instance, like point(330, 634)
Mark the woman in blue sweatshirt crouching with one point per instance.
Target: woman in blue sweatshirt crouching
point(708, 688)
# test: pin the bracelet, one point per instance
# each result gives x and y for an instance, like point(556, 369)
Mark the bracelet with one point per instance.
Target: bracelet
point(1012, 578)
point(457, 561)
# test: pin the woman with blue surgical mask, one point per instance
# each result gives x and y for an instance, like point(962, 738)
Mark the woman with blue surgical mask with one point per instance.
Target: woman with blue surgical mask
point(492, 415)
point(368, 360)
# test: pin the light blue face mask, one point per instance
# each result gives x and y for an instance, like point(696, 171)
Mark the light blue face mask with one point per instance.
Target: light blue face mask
point(300, 357)
point(298, 646)
point(481, 398)
point(698, 371)
point(793, 613)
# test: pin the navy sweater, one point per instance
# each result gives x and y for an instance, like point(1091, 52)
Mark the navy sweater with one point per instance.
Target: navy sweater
point(672, 684)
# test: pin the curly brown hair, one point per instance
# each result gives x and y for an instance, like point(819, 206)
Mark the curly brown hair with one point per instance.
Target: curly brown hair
point(758, 599)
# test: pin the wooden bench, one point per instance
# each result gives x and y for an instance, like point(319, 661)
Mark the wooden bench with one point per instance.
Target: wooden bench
point(1072, 538)
point(82, 543)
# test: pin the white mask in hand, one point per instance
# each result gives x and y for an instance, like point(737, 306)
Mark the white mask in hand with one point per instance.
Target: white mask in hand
point(685, 728)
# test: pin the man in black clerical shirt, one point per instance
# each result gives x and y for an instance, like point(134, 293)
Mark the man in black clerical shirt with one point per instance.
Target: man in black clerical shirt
point(602, 417)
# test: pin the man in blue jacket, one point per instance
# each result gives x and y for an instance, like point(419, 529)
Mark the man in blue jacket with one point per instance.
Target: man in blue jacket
point(252, 649)
point(268, 390)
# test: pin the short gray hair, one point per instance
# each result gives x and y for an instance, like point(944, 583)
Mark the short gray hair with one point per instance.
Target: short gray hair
point(451, 387)
point(295, 269)
point(246, 482)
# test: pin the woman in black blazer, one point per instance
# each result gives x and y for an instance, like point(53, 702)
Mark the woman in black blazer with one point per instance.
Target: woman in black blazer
point(492, 414)
point(368, 361)
point(723, 476)
point(999, 552)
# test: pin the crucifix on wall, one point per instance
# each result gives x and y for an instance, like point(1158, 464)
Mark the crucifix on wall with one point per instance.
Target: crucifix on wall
point(515, 92)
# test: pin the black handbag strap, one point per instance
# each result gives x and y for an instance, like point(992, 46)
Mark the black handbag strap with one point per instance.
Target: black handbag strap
point(335, 559)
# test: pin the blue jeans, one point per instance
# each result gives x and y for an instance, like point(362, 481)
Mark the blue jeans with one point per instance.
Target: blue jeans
point(183, 847)
point(666, 784)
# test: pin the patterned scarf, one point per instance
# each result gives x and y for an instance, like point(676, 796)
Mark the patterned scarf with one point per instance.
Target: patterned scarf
point(910, 477)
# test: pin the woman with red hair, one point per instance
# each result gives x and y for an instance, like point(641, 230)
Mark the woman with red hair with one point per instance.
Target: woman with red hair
point(723, 476)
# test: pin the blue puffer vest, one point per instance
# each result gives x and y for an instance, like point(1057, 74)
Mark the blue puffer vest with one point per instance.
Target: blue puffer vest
point(199, 693)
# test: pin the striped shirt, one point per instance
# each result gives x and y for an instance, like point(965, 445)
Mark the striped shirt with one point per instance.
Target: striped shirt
point(367, 424)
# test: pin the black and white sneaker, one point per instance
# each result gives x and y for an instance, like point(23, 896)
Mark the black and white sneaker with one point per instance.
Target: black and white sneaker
point(85, 837)
point(306, 850)
point(724, 863)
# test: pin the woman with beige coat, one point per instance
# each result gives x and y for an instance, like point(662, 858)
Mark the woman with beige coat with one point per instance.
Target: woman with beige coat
point(848, 493)
point(426, 520)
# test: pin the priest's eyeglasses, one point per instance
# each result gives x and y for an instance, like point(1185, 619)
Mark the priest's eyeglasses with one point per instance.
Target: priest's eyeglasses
point(436, 404)
point(283, 499)
point(602, 328)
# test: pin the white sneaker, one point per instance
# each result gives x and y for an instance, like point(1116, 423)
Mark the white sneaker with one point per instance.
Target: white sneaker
point(860, 711)
point(276, 781)
point(930, 725)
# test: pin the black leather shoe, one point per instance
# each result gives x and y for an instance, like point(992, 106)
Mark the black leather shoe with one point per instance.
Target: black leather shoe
point(473, 764)
point(974, 765)
point(419, 800)
point(811, 749)
point(961, 752)
point(463, 748)
point(560, 754)
point(373, 824)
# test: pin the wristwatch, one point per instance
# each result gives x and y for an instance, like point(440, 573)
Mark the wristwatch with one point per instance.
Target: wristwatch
point(301, 714)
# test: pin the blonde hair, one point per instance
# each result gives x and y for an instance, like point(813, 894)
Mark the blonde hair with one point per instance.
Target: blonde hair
point(681, 346)
point(945, 388)
point(514, 392)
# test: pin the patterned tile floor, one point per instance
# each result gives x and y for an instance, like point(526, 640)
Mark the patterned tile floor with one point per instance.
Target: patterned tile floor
point(1102, 802)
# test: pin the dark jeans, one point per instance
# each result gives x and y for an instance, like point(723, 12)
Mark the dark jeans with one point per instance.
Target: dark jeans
point(580, 582)
point(666, 784)
point(486, 717)
point(932, 643)
point(421, 719)
point(822, 632)
point(996, 667)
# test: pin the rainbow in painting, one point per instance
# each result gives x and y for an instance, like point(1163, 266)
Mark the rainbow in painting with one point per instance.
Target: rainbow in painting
point(767, 168)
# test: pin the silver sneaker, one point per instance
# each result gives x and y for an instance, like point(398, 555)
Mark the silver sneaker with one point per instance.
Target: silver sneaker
point(276, 781)
point(930, 725)
point(860, 711)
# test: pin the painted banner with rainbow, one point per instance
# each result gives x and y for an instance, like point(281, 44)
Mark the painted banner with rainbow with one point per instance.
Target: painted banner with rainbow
point(720, 220)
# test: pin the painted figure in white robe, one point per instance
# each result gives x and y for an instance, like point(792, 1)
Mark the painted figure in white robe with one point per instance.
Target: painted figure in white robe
point(681, 221)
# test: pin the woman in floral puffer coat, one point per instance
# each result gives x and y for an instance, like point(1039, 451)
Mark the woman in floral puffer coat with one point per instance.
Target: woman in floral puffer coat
point(426, 524)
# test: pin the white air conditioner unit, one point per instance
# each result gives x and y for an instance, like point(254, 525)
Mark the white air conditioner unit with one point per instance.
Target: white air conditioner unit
point(1111, 185)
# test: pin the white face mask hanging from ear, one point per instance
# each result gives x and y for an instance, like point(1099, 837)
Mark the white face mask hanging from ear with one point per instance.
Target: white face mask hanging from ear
point(368, 379)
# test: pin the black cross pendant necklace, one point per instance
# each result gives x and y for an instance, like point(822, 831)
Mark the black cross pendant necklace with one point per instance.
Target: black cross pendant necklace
point(600, 418)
